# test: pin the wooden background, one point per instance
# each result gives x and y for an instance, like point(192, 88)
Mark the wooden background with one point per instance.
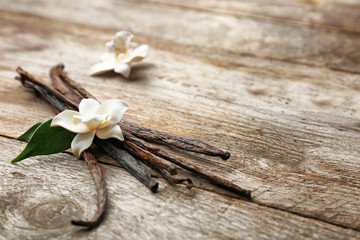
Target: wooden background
point(276, 83)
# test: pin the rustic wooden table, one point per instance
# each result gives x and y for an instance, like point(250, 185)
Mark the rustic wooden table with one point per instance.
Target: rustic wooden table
point(276, 83)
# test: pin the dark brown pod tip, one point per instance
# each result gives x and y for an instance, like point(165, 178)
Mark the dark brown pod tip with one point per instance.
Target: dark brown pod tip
point(225, 156)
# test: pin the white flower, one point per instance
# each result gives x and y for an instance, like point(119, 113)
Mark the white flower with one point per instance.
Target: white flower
point(120, 54)
point(92, 119)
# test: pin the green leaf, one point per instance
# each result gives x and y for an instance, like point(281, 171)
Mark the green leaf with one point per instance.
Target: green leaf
point(29, 133)
point(46, 140)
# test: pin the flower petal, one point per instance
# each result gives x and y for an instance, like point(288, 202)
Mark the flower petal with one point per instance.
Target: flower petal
point(123, 69)
point(88, 106)
point(110, 46)
point(110, 132)
point(102, 67)
point(65, 120)
point(81, 142)
point(108, 56)
point(138, 53)
point(89, 118)
point(116, 109)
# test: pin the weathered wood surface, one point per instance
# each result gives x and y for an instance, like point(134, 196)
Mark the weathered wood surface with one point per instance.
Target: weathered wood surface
point(281, 95)
point(324, 14)
point(221, 33)
point(42, 195)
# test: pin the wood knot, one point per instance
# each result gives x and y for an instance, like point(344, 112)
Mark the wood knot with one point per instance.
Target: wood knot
point(53, 214)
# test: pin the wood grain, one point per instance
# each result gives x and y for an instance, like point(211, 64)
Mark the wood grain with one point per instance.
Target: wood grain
point(282, 159)
point(242, 36)
point(41, 195)
point(292, 124)
point(324, 14)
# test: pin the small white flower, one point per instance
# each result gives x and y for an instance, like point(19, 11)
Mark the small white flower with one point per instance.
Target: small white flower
point(120, 54)
point(92, 119)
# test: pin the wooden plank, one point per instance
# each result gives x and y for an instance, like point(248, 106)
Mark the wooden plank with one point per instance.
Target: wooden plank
point(324, 14)
point(40, 196)
point(244, 36)
point(294, 149)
